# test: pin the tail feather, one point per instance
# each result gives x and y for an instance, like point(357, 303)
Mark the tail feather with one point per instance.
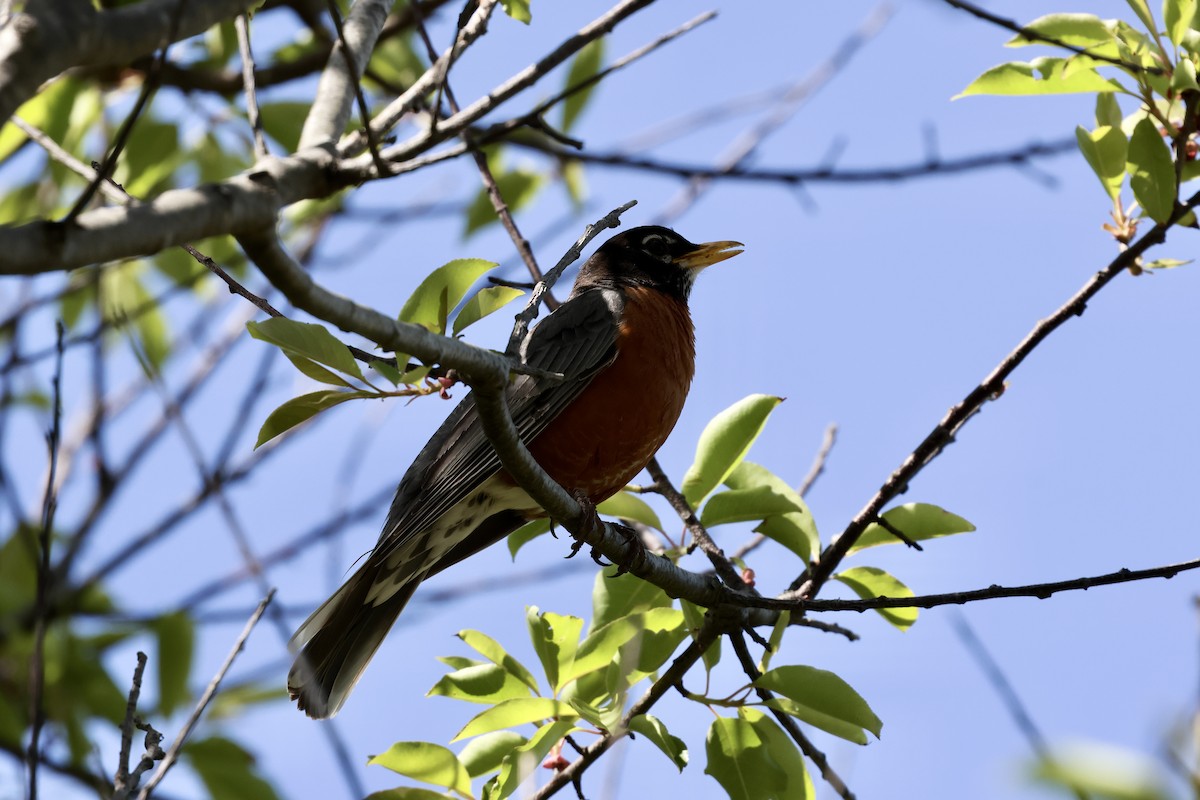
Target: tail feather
point(338, 640)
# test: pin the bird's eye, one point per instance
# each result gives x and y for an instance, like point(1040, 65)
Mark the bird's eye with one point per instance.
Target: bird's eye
point(655, 245)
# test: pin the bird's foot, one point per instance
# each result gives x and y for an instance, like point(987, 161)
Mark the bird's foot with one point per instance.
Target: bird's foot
point(589, 525)
point(634, 554)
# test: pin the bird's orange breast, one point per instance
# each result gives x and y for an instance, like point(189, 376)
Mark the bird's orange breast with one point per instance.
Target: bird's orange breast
point(608, 434)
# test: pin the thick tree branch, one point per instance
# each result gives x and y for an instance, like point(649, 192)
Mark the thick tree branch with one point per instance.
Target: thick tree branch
point(336, 91)
point(46, 39)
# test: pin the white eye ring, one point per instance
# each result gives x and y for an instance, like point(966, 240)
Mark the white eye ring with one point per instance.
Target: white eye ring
point(661, 241)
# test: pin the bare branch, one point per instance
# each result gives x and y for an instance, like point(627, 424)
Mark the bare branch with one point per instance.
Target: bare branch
point(37, 661)
point(928, 168)
point(209, 692)
point(242, 24)
point(991, 387)
point(121, 786)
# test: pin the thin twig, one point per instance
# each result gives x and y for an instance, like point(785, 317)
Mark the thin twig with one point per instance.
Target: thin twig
point(533, 117)
point(37, 661)
point(814, 472)
point(242, 24)
point(824, 173)
point(669, 679)
point(121, 786)
point(792, 600)
point(1034, 36)
point(991, 387)
point(363, 111)
point(209, 692)
point(716, 556)
point(528, 314)
point(149, 86)
point(743, 148)
point(499, 204)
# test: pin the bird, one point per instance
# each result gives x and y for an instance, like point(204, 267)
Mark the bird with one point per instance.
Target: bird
point(624, 343)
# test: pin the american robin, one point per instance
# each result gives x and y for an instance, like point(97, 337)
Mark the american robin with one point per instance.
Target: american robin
point(624, 341)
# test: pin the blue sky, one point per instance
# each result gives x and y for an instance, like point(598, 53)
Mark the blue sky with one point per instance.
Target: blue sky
point(874, 306)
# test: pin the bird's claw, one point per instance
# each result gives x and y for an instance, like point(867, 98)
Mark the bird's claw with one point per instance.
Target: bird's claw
point(635, 548)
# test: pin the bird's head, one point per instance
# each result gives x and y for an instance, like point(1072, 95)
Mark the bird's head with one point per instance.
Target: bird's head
point(652, 256)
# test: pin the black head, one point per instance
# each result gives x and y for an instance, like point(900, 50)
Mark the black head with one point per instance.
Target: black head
point(654, 257)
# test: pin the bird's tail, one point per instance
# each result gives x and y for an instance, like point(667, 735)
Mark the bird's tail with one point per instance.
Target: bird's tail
point(338, 640)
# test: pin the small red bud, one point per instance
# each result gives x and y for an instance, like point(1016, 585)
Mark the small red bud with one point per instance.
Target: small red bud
point(748, 576)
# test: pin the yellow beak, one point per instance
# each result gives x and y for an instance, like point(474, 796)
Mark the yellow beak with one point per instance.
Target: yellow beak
point(709, 253)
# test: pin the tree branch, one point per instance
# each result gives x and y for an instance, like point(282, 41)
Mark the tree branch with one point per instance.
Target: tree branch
point(991, 387)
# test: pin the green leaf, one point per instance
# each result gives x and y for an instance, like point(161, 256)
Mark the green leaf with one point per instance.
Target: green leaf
point(598, 649)
point(126, 302)
point(1104, 149)
point(517, 9)
point(783, 751)
point(628, 506)
point(481, 683)
point(490, 649)
point(1142, 9)
point(1166, 263)
point(1103, 771)
point(227, 770)
point(409, 793)
point(1151, 171)
point(284, 121)
point(395, 61)
point(49, 111)
point(743, 505)
point(574, 178)
point(654, 730)
point(694, 615)
point(555, 639)
point(428, 763)
point(724, 443)
point(517, 188)
point(511, 713)
point(150, 157)
point(1177, 16)
point(308, 341)
point(526, 534)
point(235, 698)
point(1108, 112)
point(917, 521)
point(796, 530)
point(822, 699)
point(441, 291)
point(482, 303)
point(586, 64)
point(871, 582)
point(524, 760)
point(660, 631)
point(176, 642)
point(617, 596)
point(483, 754)
point(777, 630)
point(1041, 76)
point(739, 760)
point(1080, 30)
point(1184, 77)
point(301, 409)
